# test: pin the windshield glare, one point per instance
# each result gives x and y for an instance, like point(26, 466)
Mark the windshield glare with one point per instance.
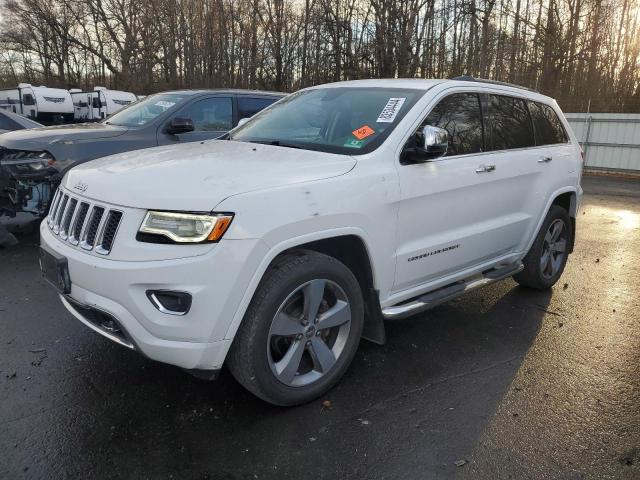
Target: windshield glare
point(146, 110)
point(338, 120)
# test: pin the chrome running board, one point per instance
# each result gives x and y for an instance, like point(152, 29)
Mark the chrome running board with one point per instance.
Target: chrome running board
point(449, 292)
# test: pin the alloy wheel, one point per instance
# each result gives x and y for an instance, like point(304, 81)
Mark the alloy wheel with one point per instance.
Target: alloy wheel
point(554, 249)
point(309, 332)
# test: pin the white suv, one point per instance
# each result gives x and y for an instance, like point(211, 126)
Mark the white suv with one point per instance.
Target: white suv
point(275, 249)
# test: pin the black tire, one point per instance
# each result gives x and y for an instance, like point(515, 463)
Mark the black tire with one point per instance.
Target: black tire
point(534, 275)
point(251, 358)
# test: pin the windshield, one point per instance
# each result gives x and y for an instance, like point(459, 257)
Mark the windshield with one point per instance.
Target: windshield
point(145, 111)
point(338, 120)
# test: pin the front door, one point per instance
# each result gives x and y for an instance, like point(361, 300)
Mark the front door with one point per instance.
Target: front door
point(211, 117)
point(468, 207)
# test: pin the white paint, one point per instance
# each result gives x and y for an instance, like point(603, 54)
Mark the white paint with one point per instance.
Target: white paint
point(284, 197)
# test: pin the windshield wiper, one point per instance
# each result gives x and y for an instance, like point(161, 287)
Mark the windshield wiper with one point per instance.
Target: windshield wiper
point(277, 143)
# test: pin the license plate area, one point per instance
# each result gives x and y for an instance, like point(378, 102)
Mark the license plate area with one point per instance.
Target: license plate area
point(55, 270)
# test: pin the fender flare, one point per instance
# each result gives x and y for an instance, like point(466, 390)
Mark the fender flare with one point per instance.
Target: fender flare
point(551, 199)
point(276, 250)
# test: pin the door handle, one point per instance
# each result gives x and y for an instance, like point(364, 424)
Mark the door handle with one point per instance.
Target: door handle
point(485, 168)
point(545, 159)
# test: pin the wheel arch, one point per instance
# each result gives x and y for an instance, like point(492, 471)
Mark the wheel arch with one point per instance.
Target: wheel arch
point(352, 251)
point(566, 198)
point(347, 245)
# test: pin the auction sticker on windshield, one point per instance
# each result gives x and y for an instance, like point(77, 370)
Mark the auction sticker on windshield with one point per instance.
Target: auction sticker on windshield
point(363, 132)
point(390, 110)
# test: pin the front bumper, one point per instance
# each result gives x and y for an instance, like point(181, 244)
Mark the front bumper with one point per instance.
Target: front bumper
point(216, 280)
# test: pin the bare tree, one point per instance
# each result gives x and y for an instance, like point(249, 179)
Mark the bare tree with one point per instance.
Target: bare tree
point(579, 51)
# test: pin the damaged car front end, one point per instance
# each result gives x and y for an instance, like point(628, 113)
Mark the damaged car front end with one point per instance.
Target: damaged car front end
point(27, 181)
point(32, 162)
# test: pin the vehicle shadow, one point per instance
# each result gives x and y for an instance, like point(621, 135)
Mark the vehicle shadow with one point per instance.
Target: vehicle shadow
point(415, 405)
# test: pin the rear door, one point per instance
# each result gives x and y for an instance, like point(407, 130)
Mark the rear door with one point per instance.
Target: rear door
point(470, 206)
point(554, 155)
point(511, 135)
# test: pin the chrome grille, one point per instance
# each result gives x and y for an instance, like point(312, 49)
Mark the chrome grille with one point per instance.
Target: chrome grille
point(109, 233)
point(54, 206)
point(83, 223)
point(93, 225)
point(59, 213)
point(74, 237)
point(66, 220)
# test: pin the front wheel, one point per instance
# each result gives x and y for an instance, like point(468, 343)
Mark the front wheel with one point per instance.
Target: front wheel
point(548, 255)
point(301, 330)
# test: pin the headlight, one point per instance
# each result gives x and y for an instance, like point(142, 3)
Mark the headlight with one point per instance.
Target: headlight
point(185, 227)
point(24, 162)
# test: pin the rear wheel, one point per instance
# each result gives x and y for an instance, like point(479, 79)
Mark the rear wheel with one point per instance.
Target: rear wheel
point(548, 255)
point(301, 330)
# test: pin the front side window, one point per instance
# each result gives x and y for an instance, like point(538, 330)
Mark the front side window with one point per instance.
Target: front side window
point(547, 125)
point(210, 114)
point(510, 123)
point(347, 120)
point(141, 113)
point(460, 115)
point(249, 106)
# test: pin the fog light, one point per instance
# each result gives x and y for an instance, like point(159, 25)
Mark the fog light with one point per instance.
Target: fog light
point(110, 326)
point(170, 302)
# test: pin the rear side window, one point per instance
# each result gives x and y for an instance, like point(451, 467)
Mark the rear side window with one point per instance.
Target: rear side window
point(547, 125)
point(510, 123)
point(249, 106)
point(459, 114)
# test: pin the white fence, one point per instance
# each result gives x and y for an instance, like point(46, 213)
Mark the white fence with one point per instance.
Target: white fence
point(611, 141)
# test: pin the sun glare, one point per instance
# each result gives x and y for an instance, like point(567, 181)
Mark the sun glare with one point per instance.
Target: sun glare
point(628, 220)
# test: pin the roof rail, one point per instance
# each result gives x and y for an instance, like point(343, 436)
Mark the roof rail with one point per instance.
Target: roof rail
point(469, 78)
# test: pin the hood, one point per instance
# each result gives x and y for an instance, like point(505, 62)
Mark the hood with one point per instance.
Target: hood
point(41, 138)
point(197, 177)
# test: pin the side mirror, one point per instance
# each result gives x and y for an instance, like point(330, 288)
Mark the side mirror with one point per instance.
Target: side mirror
point(427, 144)
point(242, 121)
point(180, 125)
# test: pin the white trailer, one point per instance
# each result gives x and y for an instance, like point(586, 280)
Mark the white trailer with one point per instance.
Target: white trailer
point(98, 104)
point(49, 106)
